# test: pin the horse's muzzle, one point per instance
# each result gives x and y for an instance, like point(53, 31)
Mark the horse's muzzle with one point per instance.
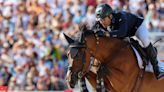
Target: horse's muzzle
point(72, 79)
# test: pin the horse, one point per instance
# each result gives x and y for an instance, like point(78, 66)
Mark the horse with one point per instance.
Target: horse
point(124, 74)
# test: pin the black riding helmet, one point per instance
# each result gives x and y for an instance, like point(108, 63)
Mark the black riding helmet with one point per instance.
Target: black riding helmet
point(102, 11)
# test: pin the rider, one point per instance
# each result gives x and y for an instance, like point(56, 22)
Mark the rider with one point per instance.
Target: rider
point(123, 24)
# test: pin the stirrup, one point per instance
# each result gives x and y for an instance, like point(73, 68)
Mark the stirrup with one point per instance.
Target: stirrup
point(160, 76)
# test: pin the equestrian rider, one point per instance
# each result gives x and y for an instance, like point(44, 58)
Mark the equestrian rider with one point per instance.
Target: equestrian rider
point(123, 24)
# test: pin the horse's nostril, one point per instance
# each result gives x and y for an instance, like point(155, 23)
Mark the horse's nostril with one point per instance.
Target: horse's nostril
point(72, 85)
point(73, 80)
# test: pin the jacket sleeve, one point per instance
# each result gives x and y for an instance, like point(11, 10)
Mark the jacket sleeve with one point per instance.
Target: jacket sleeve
point(122, 29)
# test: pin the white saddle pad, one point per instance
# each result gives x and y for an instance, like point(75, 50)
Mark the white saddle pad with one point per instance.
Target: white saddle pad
point(149, 67)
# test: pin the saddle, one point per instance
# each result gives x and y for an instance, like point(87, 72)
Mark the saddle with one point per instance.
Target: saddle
point(140, 50)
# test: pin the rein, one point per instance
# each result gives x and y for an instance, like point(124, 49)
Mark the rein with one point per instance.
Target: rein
point(82, 73)
point(99, 80)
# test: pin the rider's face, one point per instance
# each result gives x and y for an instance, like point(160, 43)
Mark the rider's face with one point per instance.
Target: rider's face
point(106, 21)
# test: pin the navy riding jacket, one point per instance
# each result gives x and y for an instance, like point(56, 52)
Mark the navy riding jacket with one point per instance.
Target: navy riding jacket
point(123, 24)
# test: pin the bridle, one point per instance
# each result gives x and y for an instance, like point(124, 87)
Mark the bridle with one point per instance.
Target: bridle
point(76, 46)
point(82, 74)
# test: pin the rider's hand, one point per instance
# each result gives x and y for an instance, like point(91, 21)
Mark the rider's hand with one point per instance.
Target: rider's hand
point(107, 34)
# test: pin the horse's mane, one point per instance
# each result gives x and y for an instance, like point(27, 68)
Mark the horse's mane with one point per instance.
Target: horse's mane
point(86, 30)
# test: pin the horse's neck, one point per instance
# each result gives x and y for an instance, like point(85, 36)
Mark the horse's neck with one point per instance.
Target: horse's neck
point(121, 62)
point(123, 67)
point(118, 54)
point(109, 48)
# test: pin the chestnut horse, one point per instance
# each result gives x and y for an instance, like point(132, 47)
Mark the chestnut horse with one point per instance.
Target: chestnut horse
point(117, 55)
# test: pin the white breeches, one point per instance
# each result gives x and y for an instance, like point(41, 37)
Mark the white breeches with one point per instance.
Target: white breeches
point(143, 35)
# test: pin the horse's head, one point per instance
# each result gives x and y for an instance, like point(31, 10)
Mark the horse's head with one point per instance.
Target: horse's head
point(79, 59)
point(81, 50)
point(116, 54)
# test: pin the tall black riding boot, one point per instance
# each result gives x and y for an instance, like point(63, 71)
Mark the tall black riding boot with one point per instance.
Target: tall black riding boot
point(152, 55)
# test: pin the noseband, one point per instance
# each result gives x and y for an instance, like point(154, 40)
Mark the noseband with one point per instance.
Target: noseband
point(73, 52)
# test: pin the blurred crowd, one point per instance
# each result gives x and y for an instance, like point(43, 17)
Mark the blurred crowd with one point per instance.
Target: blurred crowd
point(32, 46)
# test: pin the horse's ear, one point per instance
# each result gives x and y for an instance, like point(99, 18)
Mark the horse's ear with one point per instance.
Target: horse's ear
point(69, 40)
point(83, 27)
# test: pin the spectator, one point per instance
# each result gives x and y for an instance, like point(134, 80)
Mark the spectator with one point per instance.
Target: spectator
point(90, 16)
point(6, 77)
point(30, 85)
